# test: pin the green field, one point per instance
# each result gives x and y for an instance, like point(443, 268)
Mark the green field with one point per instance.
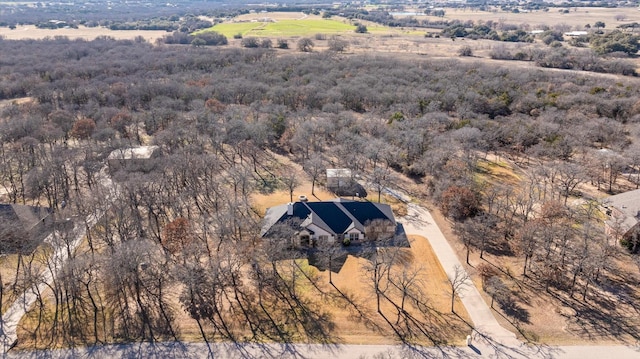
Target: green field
point(283, 28)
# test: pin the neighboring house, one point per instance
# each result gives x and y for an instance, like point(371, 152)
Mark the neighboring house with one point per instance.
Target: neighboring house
point(133, 159)
point(623, 222)
point(310, 223)
point(23, 228)
point(341, 182)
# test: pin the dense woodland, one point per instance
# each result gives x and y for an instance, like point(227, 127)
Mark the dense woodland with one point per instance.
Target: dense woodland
point(219, 114)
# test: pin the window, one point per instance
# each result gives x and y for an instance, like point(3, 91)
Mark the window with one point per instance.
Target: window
point(354, 236)
point(323, 238)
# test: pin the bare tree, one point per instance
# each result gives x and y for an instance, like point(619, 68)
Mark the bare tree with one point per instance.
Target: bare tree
point(327, 254)
point(620, 17)
point(314, 167)
point(381, 178)
point(305, 44)
point(291, 181)
point(478, 231)
point(497, 290)
point(462, 229)
point(457, 283)
point(527, 242)
point(337, 44)
point(633, 154)
point(606, 166)
point(570, 176)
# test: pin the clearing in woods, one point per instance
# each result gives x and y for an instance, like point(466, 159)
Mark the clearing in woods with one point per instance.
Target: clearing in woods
point(352, 278)
point(356, 321)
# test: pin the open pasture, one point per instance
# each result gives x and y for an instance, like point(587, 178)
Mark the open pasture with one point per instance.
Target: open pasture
point(576, 18)
point(284, 28)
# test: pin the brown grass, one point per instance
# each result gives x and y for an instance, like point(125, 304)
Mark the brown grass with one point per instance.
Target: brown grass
point(495, 170)
point(554, 317)
point(576, 18)
point(82, 32)
point(551, 321)
point(262, 201)
point(352, 280)
point(8, 264)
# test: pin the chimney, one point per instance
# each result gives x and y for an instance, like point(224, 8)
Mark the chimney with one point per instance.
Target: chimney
point(290, 209)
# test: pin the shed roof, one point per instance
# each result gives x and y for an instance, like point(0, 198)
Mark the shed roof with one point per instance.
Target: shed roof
point(338, 172)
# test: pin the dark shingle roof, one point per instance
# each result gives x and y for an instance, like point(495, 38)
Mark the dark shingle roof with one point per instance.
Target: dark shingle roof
point(333, 216)
point(364, 211)
point(299, 211)
point(337, 216)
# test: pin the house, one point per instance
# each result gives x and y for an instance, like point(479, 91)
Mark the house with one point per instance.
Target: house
point(623, 218)
point(133, 159)
point(341, 182)
point(23, 228)
point(339, 220)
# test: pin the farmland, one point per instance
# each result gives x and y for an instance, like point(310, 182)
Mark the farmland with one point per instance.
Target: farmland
point(284, 28)
point(282, 25)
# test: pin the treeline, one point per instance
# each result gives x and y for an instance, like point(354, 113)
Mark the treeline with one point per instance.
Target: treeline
point(118, 10)
point(209, 38)
point(383, 17)
point(187, 24)
point(567, 59)
point(488, 31)
point(616, 41)
point(189, 224)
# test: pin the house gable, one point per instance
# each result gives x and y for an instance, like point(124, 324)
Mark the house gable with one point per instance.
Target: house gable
point(331, 218)
point(280, 214)
point(337, 220)
point(23, 228)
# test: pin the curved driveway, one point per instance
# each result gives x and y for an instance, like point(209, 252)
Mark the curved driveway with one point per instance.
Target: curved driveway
point(419, 221)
